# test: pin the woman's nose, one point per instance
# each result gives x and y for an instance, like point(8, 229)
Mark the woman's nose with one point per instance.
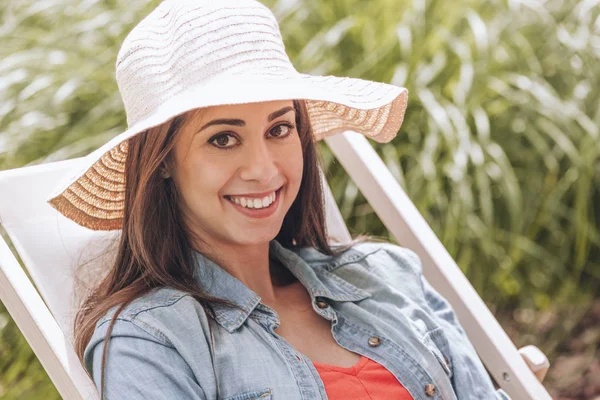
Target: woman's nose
point(258, 163)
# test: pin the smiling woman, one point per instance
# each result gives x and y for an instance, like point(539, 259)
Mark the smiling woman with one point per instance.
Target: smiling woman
point(224, 284)
point(183, 183)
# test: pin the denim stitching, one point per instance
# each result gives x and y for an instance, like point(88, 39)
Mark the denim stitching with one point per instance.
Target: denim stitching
point(163, 339)
point(332, 266)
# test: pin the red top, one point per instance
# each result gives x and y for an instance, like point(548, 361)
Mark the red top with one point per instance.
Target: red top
point(366, 379)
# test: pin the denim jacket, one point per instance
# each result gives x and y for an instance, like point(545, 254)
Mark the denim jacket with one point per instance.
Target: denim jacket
point(374, 294)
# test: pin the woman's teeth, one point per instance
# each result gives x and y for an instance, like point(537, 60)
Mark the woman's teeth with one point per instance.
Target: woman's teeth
point(250, 202)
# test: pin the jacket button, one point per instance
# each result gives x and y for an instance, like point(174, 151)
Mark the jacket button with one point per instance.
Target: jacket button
point(430, 390)
point(322, 304)
point(374, 341)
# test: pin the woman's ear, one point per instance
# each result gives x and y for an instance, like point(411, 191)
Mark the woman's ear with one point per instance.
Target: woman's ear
point(164, 171)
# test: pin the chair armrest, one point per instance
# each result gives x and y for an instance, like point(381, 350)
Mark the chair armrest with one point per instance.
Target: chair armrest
point(536, 361)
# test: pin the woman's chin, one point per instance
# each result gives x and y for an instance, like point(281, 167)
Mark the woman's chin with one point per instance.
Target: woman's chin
point(254, 235)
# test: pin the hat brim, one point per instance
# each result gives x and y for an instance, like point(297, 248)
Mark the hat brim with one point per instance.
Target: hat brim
point(92, 194)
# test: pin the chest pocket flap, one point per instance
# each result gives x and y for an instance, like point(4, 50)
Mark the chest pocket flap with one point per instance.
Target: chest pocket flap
point(263, 394)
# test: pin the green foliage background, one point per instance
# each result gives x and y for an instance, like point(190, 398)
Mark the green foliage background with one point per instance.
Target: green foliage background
point(499, 150)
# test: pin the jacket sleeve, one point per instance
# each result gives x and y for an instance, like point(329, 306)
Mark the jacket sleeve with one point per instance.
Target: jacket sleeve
point(470, 379)
point(141, 365)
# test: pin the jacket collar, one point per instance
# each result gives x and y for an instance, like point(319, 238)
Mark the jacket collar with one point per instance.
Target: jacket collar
point(219, 283)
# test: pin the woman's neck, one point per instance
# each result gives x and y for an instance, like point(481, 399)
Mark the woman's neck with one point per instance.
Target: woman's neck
point(254, 266)
point(281, 276)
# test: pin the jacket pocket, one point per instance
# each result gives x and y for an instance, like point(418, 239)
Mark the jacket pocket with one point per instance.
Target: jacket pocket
point(263, 394)
point(436, 341)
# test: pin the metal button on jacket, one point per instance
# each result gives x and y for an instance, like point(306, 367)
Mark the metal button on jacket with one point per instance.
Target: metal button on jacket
point(430, 390)
point(322, 304)
point(374, 341)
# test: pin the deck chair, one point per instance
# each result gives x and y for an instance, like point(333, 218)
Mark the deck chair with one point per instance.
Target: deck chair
point(50, 246)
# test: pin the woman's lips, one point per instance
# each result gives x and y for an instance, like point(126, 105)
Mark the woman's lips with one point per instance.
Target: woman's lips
point(258, 212)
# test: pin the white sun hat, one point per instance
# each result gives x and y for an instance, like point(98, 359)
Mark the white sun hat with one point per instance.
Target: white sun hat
point(188, 54)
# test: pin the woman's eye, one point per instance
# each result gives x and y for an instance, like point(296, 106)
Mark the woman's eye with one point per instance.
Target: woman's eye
point(227, 140)
point(282, 130)
point(223, 140)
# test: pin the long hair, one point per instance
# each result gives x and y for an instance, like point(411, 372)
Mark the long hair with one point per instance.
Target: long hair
point(148, 259)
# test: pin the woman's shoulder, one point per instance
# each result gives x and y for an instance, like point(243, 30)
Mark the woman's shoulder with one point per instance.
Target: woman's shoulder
point(162, 313)
point(155, 299)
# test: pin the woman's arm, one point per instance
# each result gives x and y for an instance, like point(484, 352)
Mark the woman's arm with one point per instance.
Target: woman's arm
point(470, 379)
point(141, 365)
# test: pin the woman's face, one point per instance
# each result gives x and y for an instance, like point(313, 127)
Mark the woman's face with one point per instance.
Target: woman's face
point(238, 169)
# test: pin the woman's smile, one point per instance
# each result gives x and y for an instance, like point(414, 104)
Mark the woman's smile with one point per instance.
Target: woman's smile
point(261, 205)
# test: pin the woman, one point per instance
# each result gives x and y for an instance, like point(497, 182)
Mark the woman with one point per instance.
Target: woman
point(224, 284)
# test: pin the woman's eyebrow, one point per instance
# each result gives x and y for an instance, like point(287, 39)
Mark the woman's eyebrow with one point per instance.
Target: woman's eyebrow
point(241, 122)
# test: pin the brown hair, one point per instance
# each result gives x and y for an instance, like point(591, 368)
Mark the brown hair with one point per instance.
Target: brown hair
point(147, 259)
